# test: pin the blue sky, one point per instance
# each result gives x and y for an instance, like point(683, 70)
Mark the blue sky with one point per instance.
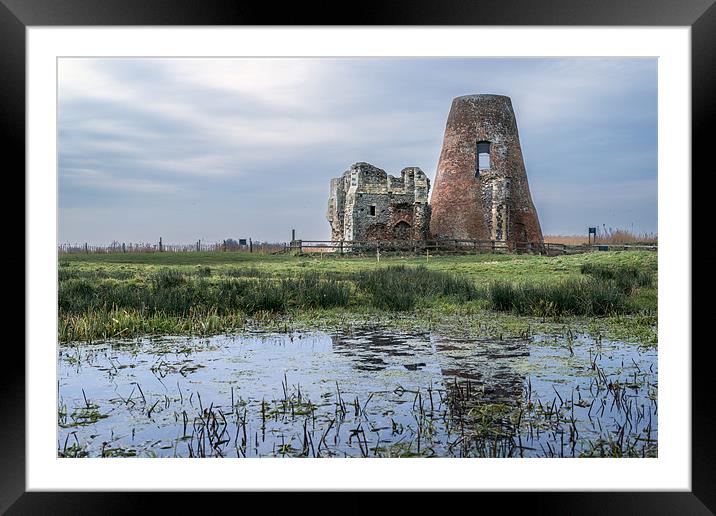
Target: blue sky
point(236, 148)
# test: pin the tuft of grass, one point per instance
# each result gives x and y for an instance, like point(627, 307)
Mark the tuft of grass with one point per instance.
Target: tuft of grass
point(312, 291)
point(244, 272)
point(167, 278)
point(399, 287)
point(568, 297)
point(171, 292)
point(626, 277)
point(203, 271)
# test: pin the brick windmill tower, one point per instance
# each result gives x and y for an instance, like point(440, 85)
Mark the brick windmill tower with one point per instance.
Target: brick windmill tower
point(481, 189)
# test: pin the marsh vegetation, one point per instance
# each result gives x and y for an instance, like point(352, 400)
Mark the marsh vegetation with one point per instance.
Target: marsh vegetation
point(232, 355)
point(109, 296)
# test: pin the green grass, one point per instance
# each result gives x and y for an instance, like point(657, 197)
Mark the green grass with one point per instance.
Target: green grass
point(400, 288)
point(584, 296)
point(124, 295)
point(627, 278)
point(170, 292)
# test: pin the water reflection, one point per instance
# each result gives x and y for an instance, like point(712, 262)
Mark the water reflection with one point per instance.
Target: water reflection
point(367, 393)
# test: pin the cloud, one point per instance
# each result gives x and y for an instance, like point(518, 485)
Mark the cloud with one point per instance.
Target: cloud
point(245, 147)
point(90, 179)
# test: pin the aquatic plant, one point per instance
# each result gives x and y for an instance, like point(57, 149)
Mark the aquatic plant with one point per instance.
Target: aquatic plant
point(607, 408)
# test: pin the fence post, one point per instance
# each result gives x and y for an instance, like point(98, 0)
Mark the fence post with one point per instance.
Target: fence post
point(161, 247)
point(251, 246)
point(86, 248)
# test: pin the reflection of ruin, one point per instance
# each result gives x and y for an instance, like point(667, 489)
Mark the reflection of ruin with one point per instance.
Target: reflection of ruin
point(483, 371)
point(376, 350)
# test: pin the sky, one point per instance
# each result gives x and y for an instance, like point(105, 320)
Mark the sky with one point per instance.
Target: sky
point(188, 149)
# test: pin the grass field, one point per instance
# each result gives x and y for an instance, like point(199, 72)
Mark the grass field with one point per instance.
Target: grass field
point(125, 295)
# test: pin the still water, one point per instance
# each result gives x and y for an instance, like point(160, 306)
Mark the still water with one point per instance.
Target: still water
point(371, 393)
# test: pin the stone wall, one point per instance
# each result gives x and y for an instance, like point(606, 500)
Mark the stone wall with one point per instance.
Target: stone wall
point(366, 203)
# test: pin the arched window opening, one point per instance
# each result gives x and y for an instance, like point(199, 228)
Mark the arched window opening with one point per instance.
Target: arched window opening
point(402, 230)
point(483, 157)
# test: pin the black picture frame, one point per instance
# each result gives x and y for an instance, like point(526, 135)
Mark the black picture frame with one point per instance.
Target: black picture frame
point(700, 15)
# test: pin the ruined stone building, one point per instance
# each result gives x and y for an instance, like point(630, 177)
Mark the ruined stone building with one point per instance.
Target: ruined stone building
point(368, 204)
point(481, 190)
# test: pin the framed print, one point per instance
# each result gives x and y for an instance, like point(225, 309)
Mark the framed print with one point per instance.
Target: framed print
point(416, 250)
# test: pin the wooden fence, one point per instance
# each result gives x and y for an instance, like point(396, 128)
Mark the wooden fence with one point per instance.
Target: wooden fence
point(445, 246)
point(442, 246)
point(359, 247)
point(253, 247)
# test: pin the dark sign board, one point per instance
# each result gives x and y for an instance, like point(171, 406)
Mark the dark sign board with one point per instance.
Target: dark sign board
point(242, 241)
point(592, 231)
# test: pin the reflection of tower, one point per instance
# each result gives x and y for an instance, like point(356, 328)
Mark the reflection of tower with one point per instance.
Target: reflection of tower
point(375, 350)
point(481, 190)
point(491, 373)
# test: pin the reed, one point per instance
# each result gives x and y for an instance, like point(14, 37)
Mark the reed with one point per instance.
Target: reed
point(615, 284)
point(626, 277)
point(568, 297)
point(400, 287)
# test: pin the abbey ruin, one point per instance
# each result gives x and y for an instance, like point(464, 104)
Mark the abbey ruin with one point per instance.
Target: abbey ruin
point(368, 204)
point(481, 190)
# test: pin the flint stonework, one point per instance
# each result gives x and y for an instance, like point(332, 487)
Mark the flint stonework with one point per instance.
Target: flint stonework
point(367, 204)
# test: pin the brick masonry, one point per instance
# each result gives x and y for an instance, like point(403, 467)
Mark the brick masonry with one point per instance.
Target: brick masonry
point(495, 205)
